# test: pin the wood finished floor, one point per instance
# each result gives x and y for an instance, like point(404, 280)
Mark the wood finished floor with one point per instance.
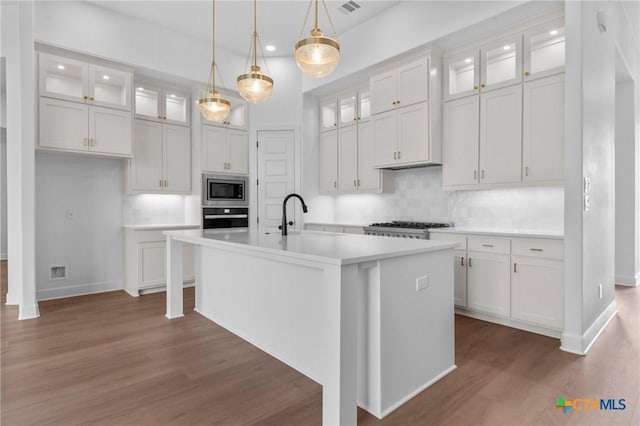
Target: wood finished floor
point(110, 359)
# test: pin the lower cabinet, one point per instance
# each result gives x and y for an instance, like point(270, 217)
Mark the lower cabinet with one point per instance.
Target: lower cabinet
point(342, 229)
point(460, 278)
point(146, 261)
point(488, 283)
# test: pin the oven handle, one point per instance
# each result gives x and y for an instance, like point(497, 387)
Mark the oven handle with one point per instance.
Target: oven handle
point(226, 216)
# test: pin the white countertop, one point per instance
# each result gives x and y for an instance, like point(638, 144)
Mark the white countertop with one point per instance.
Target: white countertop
point(323, 247)
point(160, 227)
point(525, 233)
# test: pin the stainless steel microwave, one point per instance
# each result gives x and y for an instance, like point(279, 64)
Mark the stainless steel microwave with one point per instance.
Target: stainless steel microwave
point(225, 190)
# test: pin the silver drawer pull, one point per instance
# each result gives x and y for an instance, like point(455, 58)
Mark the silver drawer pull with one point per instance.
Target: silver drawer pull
point(535, 249)
point(225, 216)
point(487, 245)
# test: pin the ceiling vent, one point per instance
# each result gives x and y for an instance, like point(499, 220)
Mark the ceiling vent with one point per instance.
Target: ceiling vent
point(348, 7)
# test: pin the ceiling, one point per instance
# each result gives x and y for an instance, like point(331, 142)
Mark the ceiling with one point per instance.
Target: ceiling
point(279, 21)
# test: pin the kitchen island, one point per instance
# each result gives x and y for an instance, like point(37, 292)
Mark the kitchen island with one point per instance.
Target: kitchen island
point(370, 318)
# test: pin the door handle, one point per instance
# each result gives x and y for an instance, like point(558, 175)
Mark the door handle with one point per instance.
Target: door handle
point(515, 267)
point(462, 261)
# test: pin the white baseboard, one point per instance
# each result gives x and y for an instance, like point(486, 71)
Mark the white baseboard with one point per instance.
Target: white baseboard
point(549, 332)
point(3, 256)
point(628, 280)
point(79, 290)
point(580, 345)
point(12, 299)
point(26, 312)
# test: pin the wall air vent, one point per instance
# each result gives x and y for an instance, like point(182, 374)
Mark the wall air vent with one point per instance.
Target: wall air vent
point(58, 272)
point(348, 7)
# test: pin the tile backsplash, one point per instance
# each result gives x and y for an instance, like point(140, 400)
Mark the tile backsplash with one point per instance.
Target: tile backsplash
point(419, 196)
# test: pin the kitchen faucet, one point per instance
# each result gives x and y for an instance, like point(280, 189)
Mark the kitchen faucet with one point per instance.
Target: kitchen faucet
point(284, 211)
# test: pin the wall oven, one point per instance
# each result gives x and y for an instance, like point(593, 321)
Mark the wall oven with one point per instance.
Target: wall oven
point(225, 217)
point(225, 190)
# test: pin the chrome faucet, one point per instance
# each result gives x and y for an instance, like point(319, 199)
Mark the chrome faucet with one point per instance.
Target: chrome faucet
point(284, 211)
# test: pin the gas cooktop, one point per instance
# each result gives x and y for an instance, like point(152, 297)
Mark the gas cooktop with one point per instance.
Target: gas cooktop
point(411, 225)
point(404, 229)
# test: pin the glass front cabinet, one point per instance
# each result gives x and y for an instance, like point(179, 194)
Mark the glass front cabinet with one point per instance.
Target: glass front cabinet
point(157, 103)
point(544, 50)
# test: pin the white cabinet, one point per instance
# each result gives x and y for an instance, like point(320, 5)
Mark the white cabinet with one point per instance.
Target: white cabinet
point(488, 287)
point(77, 127)
point(328, 114)
point(461, 138)
point(145, 260)
point(157, 102)
point(329, 162)
point(460, 278)
point(162, 158)
point(461, 74)
point(501, 135)
point(347, 159)
point(225, 150)
point(543, 129)
point(501, 63)
point(404, 85)
point(544, 50)
point(78, 81)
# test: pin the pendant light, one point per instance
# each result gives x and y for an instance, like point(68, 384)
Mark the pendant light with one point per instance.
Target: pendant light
point(317, 56)
point(255, 86)
point(213, 106)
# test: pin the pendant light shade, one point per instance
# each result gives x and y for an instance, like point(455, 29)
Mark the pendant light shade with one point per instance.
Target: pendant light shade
point(318, 55)
point(213, 106)
point(255, 86)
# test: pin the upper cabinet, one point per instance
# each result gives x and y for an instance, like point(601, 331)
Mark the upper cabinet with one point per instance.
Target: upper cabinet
point(328, 114)
point(237, 118)
point(544, 50)
point(405, 85)
point(461, 74)
point(163, 104)
point(74, 80)
point(353, 105)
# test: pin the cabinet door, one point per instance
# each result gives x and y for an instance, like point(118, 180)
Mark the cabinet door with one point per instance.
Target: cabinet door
point(501, 63)
point(413, 82)
point(63, 125)
point(461, 74)
point(328, 114)
point(543, 129)
point(348, 159)
point(501, 135)
point(488, 287)
point(348, 108)
point(385, 138)
point(368, 176)
point(537, 291)
point(460, 278)
point(177, 158)
point(214, 148)
point(237, 117)
point(383, 92)
point(110, 87)
point(413, 133)
point(176, 107)
point(544, 50)
point(364, 104)
point(237, 152)
point(63, 78)
point(110, 131)
point(147, 102)
point(152, 264)
point(145, 173)
point(329, 162)
point(461, 127)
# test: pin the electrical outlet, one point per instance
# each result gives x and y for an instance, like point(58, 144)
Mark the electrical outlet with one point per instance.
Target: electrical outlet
point(422, 283)
point(70, 214)
point(600, 291)
point(587, 202)
point(587, 185)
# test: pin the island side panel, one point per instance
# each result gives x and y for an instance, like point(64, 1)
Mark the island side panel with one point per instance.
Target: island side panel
point(273, 304)
point(175, 275)
point(417, 325)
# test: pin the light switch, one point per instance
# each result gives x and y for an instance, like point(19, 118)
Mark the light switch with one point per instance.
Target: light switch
point(587, 202)
point(587, 185)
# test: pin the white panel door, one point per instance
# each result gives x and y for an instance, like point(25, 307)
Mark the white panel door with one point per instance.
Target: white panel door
point(385, 138)
point(501, 135)
point(63, 125)
point(329, 162)
point(152, 264)
point(488, 287)
point(276, 177)
point(214, 148)
point(413, 82)
point(461, 126)
point(537, 291)
point(177, 158)
point(368, 176)
point(348, 159)
point(110, 131)
point(413, 133)
point(238, 152)
point(146, 164)
point(543, 129)
point(383, 92)
point(460, 278)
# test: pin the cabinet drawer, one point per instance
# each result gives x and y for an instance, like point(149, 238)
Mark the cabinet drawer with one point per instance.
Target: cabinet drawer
point(456, 238)
point(488, 244)
point(332, 228)
point(537, 247)
point(150, 236)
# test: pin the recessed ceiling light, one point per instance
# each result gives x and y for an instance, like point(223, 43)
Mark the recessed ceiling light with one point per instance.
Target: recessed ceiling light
point(270, 48)
point(553, 32)
point(172, 95)
point(60, 67)
point(506, 47)
point(105, 77)
point(468, 60)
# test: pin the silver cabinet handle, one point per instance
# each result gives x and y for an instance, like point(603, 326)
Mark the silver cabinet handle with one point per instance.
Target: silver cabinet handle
point(470, 263)
point(462, 261)
point(536, 249)
point(487, 245)
point(222, 216)
point(515, 267)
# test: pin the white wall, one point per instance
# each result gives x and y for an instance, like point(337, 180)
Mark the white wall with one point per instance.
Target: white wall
point(3, 193)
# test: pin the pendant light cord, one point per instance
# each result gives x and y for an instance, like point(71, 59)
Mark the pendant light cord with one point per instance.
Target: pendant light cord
point(255, 32)
point(306, 18)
